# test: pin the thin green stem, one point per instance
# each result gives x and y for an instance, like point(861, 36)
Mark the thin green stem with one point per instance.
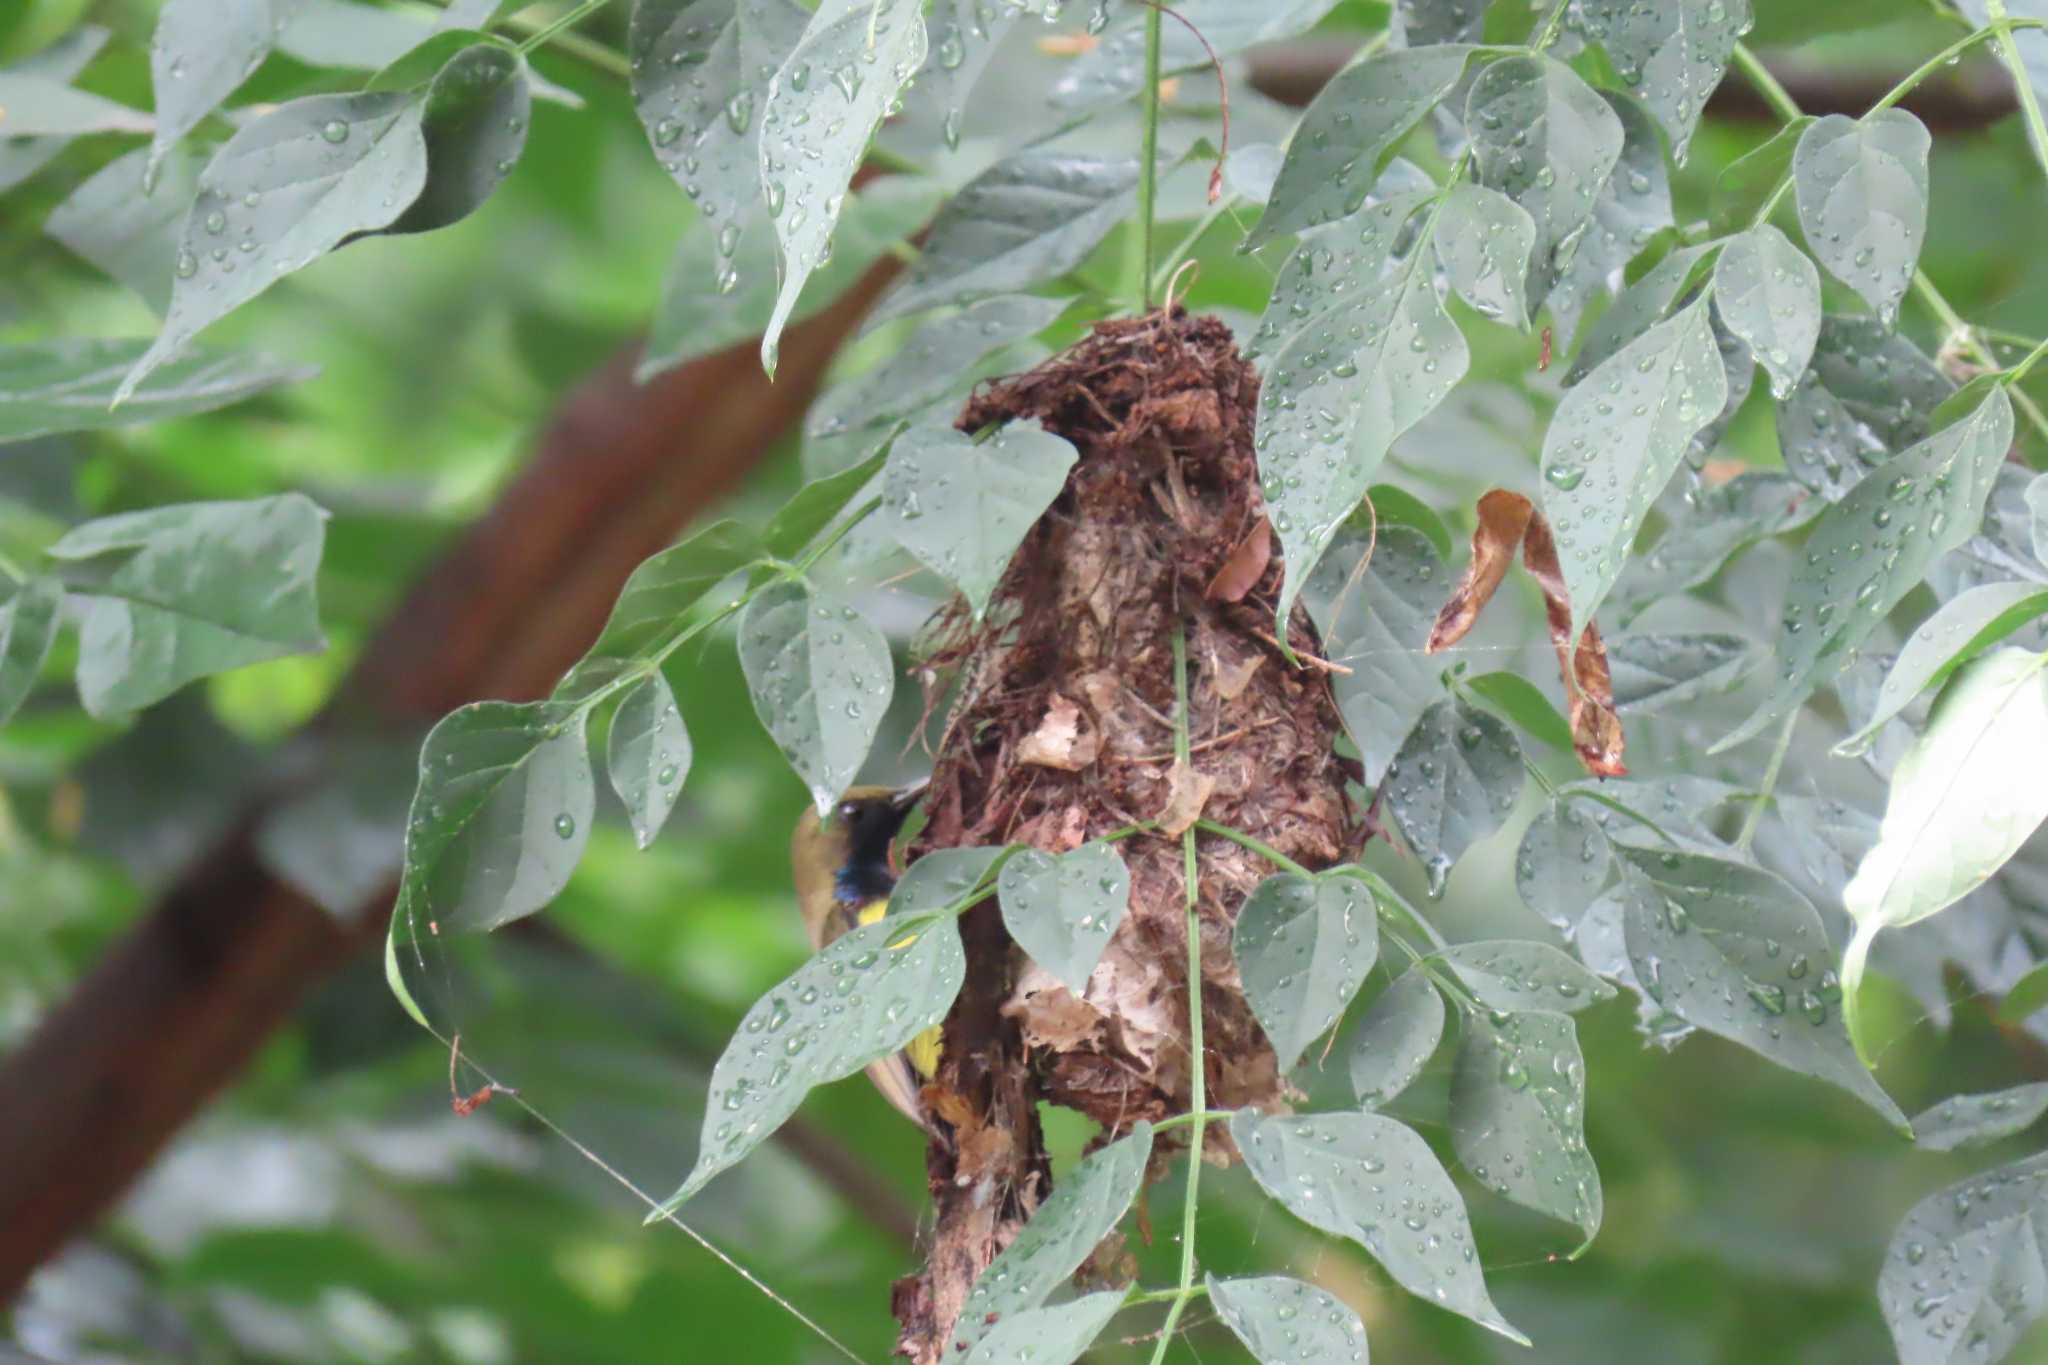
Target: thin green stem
point(560, 24)
point(1776, 95)
point(1186, 245)
point(2027, 362)
point(1148, 158)
point(1770, 784)
point(1913, 78)
point(1600, 798)
point(12, 569)
point(586, 50)
point(1144, 1296)
point(2023, 86)
point(839, 533)
point(1553, 24)
point(1264, 850)
point(1172, 1121)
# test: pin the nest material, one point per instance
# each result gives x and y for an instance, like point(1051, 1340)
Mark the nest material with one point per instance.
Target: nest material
point(1063, 731)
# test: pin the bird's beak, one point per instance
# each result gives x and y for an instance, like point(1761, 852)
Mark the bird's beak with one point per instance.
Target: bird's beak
point(903, 798)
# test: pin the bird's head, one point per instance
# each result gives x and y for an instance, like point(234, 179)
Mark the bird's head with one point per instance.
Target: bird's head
point(845, 854)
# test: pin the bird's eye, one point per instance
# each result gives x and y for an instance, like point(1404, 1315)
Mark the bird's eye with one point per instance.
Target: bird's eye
point(848, 810)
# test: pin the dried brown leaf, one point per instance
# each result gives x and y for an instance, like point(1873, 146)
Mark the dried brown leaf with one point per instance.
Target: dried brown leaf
point(1059, 741)
point(1186, 794)
point(1244, 568)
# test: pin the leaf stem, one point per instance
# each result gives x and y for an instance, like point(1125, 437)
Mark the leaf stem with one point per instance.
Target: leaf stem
point(561, 24)
point(1264, 850)
point(1144, 1296)
point(2023, 86)
point(586, 50)
point(1172, 1121)
point(1933, 64)
point(1553, 24)
point(2019, 371)
point(1770, 783)
point(1148, 161)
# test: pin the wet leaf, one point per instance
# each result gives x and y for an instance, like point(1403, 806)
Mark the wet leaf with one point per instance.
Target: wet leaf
point(318, 170)
point(1736, 951)
point(1768, 294)
point(824, 104)
point(1062, 909)
point(864, 997)
point(1372, 1180)
point(28, 625)
point(933, 362)
point(1749, 181)
point(1282, 1321)
point(131, 235)
point(1348, 131)
point(1869, 394)
point(60, 62)
point(1371, 357)
point(184, 591)
point(52, 386)
point(1522, 702)
point(499, 819)
point(647, 755)
point(1642, 305)
point(1974, 1120)
point(1964, 1277)
point(1081, 1210)
point(1874, 546)
point(963, 506)
point(39, 105)
point(1029, 218)
point(1657, 672)
point(819, 504)
point(1965, 626)
point(1615, 442)
point(1114, 68)
point(820, 676)
point(1862, 192)
point(1395, 1039)
point(1548, 141)
point(1049, 1336)
point(964, 36)
point(478, 105)
point(1674, 52)
point(1520, 974)
point(1303, 946)
point(654, 603)
point(1633, 205)
point(1484, 240)
point(2037, 508)
point(1420, 23)
point(200, 54)
point(1518, 1106)
point(1452, 784)
point(1709, 531)
point(1374, 615)
point(1563, 864)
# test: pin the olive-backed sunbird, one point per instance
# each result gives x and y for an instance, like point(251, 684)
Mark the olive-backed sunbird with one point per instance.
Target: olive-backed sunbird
point(843, 880)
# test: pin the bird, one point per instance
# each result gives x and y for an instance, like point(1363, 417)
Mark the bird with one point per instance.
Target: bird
point(841, 866)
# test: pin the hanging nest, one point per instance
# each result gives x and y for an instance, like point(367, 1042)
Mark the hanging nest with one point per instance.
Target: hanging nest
point(1063, 731)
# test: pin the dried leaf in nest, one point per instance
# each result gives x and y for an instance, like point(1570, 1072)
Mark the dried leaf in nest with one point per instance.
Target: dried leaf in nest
point(1508, 522)
point(1063, 732)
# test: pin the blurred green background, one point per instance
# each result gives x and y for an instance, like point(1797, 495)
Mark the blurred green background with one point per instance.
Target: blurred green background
point(332, 1208)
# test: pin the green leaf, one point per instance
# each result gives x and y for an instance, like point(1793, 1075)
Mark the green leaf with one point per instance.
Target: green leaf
point(1769, 295)
point(52, 386)
point(1548, 141)
point(1049, 1336)
point(1347, 133)
point(712, 298)
point(1373, 611)
point(1523, 975)
point(1862, 192)
point(1975, 1120)
point(1395, 1039)
point(696, 68)
point(200, 54)
point(1673, 52)
point(1633, 205)
point(1343, 1172)
point(320, 170)
point(933, 362)
point(1303, 946)
point(820, 677)
point(1657, 672)
point(1027, 219)
point(648, 755)
point(1709, 530)
point(61, 61)
point(1964, 797)
point(1370, 357)
point(184, 591)
point(964, 36)
point(1452, 784)
point(1518, 1104)
point(1063, 909)
point(1419, 23)
point(1870, 393)
point(1393, 505)
point(39, 106)
point(1282, 1321)
point(2028, 995)
point(1965, 626)
point(941, 881)
point(815, 130)
point(28, 625)
point(963, 506)
point(478, 105)
point(1563, 864)
point(1484, 240)
point(1870, 549)
point(1642, 305)
point(653, 603)
point(1964, 1276)
point(132, 235)
point(864, 997)
point(1747, 183)
point(819, 503)
point(2037, 509)
point(500, 817)
point(1615, 442)
point(1081, 1210)
point(1522, 702)
point(1736, 951)
point(1114, 68)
